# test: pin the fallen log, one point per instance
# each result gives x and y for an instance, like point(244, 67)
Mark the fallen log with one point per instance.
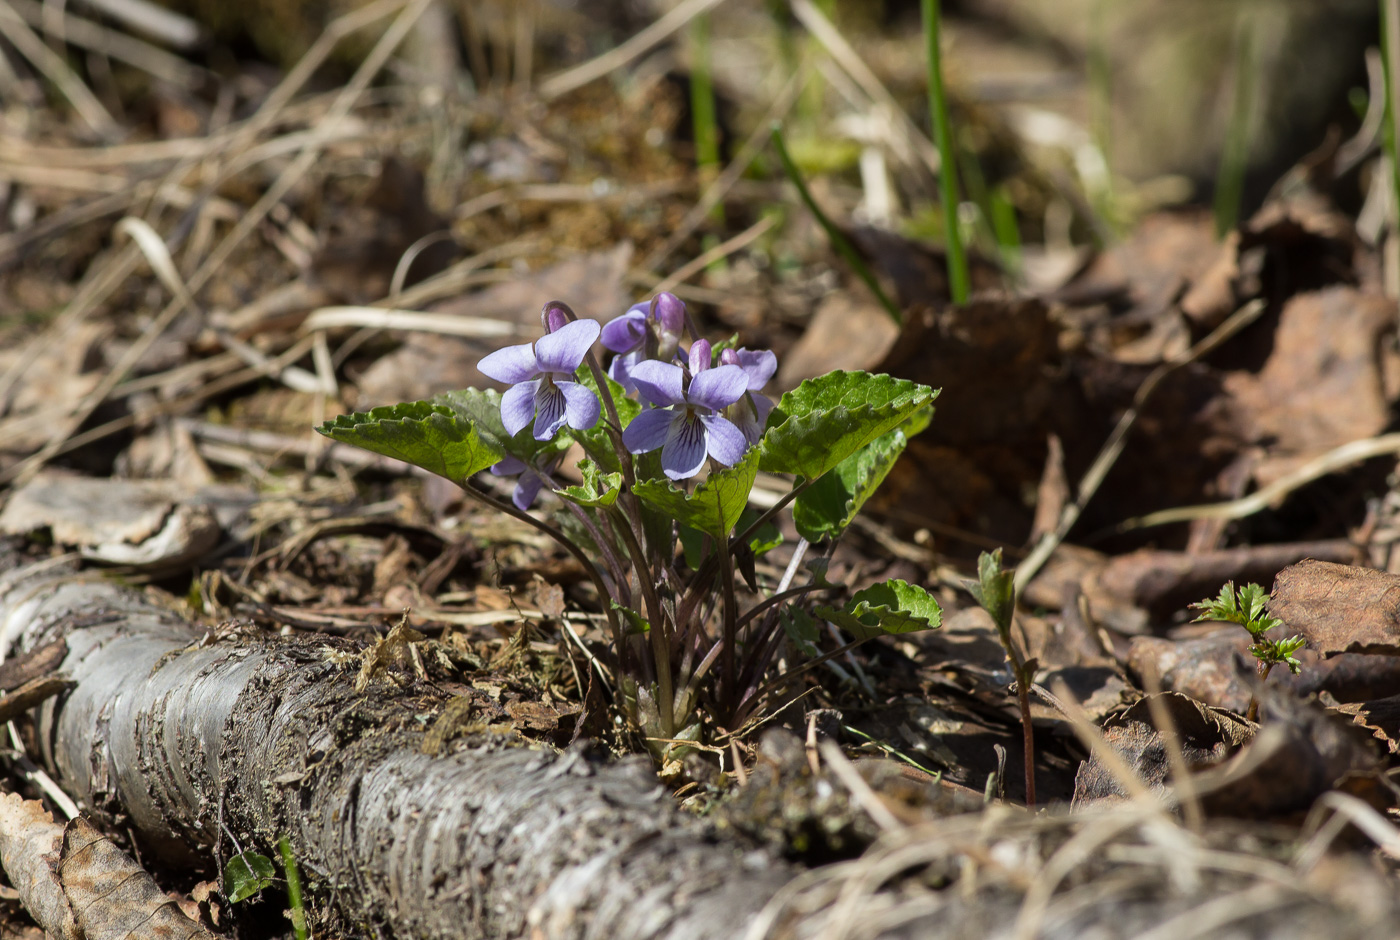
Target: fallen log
point(177, 733)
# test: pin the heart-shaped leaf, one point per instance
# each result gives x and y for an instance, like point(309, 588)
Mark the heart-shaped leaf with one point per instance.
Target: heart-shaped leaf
point(246, 874)
point(892, 606)
point(422, 433)
point(827, 419)
point(826, 507)
point(715, 505)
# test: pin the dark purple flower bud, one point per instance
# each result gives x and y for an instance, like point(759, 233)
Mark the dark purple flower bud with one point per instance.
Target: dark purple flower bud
point(554, 316)
point(670, 313)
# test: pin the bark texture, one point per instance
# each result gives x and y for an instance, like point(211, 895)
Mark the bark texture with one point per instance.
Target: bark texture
point(175, 733)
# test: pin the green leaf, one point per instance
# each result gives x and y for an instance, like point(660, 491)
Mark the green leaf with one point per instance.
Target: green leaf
point(597, 489)
point(827, 419)
point(424, 434)
point(826, 507)
point(994, 590)
point(595, 441)
point(246, 874)
point(1246, 609)
point(892, 606)
point(483, 409)
point(715, 505)
point(801, 629)
point(637, 624)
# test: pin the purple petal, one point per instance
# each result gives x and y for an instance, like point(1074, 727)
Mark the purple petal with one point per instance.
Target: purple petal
point(552, 317)
point(699, 356)
point(620, 371)
point(750, 415)
point(670, 313)
point(659, 383)
point(510, 364)
point(648, 430)
point(723, 440)
point(564, 349)
point(758, 364)
point(518, 406)
point(718, 388)
point(526, 489)
point(625, 333)
point(684, 453)
point(581, 405)
point(507, 466)
point(550, 410)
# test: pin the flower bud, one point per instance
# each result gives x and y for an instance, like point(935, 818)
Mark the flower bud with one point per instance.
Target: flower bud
point(699, 356)
point(670, 313)
point(553, 316)
point(728, 357)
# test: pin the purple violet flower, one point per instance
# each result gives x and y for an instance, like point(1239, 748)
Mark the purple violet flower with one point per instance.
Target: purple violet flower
point(541, 377)
point(646, 331)
point(750, 413)
point(685, 421)
point(527, 487)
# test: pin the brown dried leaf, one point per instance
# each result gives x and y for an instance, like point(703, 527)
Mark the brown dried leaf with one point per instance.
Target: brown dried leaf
point(78, 885)
point(1327, 349)
point(1339, 608)
point(1207, 735)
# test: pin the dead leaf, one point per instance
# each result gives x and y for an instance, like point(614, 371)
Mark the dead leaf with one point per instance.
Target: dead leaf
point(1328, 348)
point(1339, 608)
point(1207, 737)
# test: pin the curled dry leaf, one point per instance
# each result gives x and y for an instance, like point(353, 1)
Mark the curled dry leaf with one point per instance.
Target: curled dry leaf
point(78, 885)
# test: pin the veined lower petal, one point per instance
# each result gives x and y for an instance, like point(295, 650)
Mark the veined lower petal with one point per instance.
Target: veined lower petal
point(551, 410)
point(685, 450)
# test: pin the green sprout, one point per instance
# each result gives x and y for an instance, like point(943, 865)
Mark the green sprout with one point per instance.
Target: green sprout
point(995, 591)
point(1246, 608)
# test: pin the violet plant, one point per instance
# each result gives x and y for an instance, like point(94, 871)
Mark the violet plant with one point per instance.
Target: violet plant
point(693, 654)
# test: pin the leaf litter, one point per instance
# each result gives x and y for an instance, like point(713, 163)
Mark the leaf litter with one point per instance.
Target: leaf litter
point(391, 258)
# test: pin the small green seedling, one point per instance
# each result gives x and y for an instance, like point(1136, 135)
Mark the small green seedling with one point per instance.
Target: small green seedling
point(1246, 608)
point(995, 591)
point(250, 873)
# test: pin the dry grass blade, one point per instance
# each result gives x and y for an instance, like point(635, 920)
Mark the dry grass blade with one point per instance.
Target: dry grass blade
point(382, 318)
point(915, 141)
point(86, 34)
point(344, 102)
point(48, 63)
point(596, 68)
point(1344, 809)
point(1338, 458)
point(722, 250)
point(171, 28)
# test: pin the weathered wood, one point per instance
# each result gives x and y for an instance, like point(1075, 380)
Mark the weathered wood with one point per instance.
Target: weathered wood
point(270, 738)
